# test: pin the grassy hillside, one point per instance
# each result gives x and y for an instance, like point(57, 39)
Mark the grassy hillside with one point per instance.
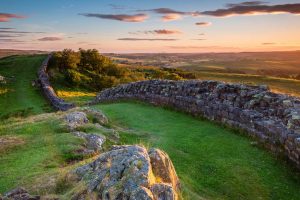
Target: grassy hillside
point(18, 97)
point(211, 161)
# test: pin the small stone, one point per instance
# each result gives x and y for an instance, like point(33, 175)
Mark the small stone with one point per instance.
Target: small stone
point(76, 119)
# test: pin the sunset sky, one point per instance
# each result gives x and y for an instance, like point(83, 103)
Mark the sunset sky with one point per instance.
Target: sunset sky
point(124, 26)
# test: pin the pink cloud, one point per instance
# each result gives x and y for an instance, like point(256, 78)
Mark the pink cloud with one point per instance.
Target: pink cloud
point(171, 17)
point(5, 17)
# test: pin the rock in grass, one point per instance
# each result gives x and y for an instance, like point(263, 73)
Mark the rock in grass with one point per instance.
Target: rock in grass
point(76, 119)
point(19, 194)
point(98, 116)
point(94, 142)
point(125, 172)
point(2, 79)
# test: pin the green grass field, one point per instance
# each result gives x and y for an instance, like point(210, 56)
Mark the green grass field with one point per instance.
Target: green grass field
point(18, 97)
point(212, 162)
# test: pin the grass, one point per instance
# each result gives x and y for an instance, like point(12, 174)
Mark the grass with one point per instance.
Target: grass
point(44, 150)
point(212, 162)
point(18, 97)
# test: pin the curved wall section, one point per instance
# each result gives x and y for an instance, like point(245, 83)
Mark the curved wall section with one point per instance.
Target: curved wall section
point(273, 119)
point(43, 78)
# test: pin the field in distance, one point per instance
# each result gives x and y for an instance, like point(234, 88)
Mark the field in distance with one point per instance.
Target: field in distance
point(10, 52)
point(279, 70)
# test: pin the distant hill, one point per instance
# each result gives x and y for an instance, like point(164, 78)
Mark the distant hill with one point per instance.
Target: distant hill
point(10, 52)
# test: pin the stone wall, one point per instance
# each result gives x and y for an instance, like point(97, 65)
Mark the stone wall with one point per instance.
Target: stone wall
point(273, 119)
point(43, 78)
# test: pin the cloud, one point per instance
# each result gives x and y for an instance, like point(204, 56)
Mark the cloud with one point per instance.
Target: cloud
point(123, 17)
point(199, 39)
point(6, 17)
point(247, 3)
point(20, 32)
point(157, 32)
point(147, 39)
point(11, 40)
point(254, 8)
point(201, 34)
point(6, 28)
point(50, 39)
point(170, 14)
point(171, 17)
point(268, 43)
point(203, 23)
point(8, 36)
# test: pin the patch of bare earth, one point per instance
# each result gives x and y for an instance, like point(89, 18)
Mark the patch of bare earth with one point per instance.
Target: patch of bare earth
point(8, 142)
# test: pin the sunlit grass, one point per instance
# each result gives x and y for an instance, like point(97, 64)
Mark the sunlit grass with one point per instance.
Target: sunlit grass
point(212, 161)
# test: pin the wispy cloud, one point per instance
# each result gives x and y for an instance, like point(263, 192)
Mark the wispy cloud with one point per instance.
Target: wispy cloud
point(8, 36)
point(171, 17)
point(122, 17)
point(170, 14)
point(6, 28)
point(254, 8)
point(247, 3)
point(6, 17)
point(147, 39)
point(50, 39)
point(203, 23)
point(20, 32)
point(11, 41)
point(268, 43)
point(158, 32)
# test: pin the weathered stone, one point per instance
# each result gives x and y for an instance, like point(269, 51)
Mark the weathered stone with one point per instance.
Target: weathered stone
point(163, 167)
point(125, 172)
point(97, 115)
point(162, 191)
point(76, 119)
point(94, 141)
point(141, 193)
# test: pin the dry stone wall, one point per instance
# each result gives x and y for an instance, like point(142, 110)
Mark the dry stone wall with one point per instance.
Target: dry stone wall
point(43, 78)
point(273, 119)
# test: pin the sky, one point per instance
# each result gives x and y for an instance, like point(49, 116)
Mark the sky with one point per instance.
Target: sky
point(151, 26)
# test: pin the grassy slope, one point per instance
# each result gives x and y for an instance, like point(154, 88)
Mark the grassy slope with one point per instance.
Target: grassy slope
point(21, 97)
point(43, 148)
point(211, 161)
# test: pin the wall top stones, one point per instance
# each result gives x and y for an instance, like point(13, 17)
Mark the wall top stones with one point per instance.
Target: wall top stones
point(274, 119)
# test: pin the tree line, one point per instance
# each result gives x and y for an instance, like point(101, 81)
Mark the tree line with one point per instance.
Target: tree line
point(91, 70)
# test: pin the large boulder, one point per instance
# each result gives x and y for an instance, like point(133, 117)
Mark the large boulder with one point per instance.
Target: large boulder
point(76, 119)
point(125, 172)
